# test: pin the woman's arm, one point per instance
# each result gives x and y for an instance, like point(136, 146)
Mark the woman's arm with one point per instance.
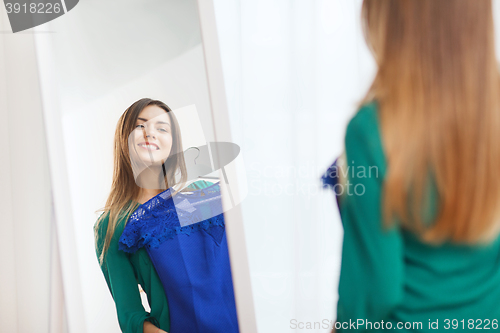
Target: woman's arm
point(122, 283)
point(371, 277)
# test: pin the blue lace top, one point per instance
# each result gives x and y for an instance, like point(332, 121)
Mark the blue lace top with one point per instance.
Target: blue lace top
point(185, 238)
point(163, 216)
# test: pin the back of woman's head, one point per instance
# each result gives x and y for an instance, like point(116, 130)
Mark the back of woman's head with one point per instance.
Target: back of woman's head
point(438, 91)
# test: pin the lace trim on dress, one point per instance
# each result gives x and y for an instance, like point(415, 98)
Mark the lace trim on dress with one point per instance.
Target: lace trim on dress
point(157, 220)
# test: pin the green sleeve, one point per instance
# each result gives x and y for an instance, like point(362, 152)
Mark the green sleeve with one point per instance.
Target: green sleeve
point(122, 282)
point(371, 276)
point(199, 184)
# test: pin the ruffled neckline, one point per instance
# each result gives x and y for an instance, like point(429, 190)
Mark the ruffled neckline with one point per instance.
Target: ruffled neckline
point(156, 220)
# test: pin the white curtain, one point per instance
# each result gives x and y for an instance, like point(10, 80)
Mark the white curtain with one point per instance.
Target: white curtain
point(28, 259)
point(293, 72)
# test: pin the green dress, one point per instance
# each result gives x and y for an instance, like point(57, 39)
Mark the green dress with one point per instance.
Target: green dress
point(390, 276)
point(124, 271)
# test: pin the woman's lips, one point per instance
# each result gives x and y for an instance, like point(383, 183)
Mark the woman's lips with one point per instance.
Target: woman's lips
point(148, 146)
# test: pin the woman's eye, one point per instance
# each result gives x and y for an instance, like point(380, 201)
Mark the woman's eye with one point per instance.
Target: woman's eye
point(140, 126)
point(163, 130)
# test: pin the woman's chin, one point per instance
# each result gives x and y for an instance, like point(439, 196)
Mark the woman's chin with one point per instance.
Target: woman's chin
point(154, 159)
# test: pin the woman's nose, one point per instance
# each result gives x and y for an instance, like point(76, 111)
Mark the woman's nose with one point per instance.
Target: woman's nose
point(147, 134)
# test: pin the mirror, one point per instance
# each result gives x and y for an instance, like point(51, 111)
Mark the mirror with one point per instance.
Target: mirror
point(100, 60)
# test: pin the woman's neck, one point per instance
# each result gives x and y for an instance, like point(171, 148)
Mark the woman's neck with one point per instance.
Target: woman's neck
point(145, 194)
point(151, 178)
point(150, 183)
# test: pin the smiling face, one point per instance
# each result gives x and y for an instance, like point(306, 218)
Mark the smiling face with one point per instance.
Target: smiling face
point(152, 136)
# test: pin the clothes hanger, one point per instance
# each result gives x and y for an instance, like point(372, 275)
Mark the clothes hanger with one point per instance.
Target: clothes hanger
point(199, 164)
point(197, 167)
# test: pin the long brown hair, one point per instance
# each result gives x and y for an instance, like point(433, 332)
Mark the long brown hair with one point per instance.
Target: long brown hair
point(438, 92)
point(124, 188)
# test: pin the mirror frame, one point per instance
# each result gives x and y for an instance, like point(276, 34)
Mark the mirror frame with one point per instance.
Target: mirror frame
point(71, 306)
point(220, 116)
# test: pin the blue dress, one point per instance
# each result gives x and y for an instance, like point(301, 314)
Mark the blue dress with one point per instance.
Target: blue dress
point(185, 238)
point(330, 179)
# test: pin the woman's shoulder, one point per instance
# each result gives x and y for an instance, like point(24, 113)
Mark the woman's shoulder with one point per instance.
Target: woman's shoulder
point(101, 224)
point(366, 118)
point(363, 135)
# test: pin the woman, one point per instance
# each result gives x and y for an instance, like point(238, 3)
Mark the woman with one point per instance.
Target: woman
point(421, 248)
point(149, 163)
